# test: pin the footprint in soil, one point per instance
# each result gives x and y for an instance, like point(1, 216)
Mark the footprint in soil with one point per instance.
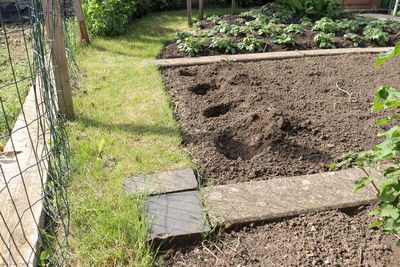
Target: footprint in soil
point(216, 111)
point(202, 88)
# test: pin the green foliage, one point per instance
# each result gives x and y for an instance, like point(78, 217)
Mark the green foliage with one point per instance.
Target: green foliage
point(238, 30)
point(294, 28)
point(225, 44)
point(310, 8)
point(388, 186)
point(325, 40)
point(355, 38)
point(222, 27)
point(305, 21)
point(251, 44)
point(214, 18)
point(241, 20)
point(270, 29)
point(192, 45)
point(377, 35)
point(285, 39)
point(255, 25)
point(326, 25)
point(348, 24)
point(109, 18)
point(377, 24)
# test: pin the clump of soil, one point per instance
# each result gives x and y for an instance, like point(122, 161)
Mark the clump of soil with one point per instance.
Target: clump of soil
point(278, 118)
point(332, 238)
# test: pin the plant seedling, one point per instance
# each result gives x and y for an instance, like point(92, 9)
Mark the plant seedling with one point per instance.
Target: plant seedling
point(285, 39)
point(225, 44)
point(294, 28)
point(192, 45)
point(326, 25)
point(355, 38)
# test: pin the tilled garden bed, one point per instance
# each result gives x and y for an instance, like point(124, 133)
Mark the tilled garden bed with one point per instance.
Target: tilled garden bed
point(332, 238)
point(278, 118)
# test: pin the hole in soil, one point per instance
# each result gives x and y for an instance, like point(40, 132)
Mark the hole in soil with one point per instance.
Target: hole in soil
point(185, 72)
point(216, 111)
point(234, 149)
point(201, 89)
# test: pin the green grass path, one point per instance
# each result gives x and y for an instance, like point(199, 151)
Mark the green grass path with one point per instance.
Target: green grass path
point(124, 126)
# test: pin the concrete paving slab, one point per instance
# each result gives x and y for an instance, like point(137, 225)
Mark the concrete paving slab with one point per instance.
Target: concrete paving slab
point(177, 216)
point(380, 17)
point(161, 182)
point(279, 198)
point(176, 62)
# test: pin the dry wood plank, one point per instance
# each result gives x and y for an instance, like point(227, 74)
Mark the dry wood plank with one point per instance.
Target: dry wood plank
point(81, 21)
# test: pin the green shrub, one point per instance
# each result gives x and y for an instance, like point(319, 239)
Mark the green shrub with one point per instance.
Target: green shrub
point(309, 8)
point(325, 40)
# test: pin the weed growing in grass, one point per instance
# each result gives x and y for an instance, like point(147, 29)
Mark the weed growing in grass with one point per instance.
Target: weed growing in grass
point(325, 40)
point(251, 44)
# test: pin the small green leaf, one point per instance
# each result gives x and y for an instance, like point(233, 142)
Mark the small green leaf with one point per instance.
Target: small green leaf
point(375, 224)
point(390, 211)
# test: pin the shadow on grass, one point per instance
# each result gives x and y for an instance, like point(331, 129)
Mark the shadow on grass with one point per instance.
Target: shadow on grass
point(137, 129)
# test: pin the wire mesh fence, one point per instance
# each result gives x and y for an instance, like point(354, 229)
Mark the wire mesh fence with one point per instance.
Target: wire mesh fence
point(34, 166)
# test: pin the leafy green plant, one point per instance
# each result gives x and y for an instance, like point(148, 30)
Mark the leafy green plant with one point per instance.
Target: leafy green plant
point(305, 21)
point(270, 29)
point(284, 15)
point(294, 28)
point(225, 44)
point(377, 24)
point(251, 44)
point(214, 18)
point(383, 157)
point(348, 24)
point(183, 35)
point(355, 38)
point(376, 35)
point(222, 27)
point(192, 45)
point(255, 25)
point(325, 25)
point(325, 40)
point(241, 20)
point(238, 30)
point(285, 39)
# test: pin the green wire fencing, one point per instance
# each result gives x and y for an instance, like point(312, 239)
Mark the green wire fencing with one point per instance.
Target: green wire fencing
point(34, 152)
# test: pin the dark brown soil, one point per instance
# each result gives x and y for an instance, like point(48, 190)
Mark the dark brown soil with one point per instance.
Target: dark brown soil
point(271, 119)
point(332, 238)
point(305, 41)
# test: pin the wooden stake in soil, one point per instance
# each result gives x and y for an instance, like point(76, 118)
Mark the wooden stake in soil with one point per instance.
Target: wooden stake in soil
point(201, 9)
point(82, 24)
point(233, 7)
point(189, 12)
point(147, 5)
point(54, 27)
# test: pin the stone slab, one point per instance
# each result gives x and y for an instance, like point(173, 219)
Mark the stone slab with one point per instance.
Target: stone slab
point(380, 17)
point(279, 198)
point(176, 62)
point(177, 216)
point(161, 182)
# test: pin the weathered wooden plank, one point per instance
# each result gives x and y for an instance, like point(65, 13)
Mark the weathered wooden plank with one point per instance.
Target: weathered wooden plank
point(21, 187)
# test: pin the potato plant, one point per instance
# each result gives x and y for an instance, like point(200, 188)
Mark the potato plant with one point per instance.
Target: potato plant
point(325, 40)
point(355, 38)
point(295, 28)
point(225, 44)
point(270, 29)
point(285, 39)
point(192, 45)
point(326, 25)
point(377, 35)
point(252, 44)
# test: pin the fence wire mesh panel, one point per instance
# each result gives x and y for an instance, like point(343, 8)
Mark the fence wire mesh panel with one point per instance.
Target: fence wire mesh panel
point(34, 166)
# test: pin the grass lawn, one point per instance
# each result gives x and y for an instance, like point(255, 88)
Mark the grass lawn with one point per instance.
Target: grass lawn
point(13, 94)
point(124, 126)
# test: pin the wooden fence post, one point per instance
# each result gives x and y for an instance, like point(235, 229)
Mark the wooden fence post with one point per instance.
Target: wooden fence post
point(147, 6)
point(233, 7)
point(189, 12)
point(82, 24)
point(55, 33)
point(201, 9)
